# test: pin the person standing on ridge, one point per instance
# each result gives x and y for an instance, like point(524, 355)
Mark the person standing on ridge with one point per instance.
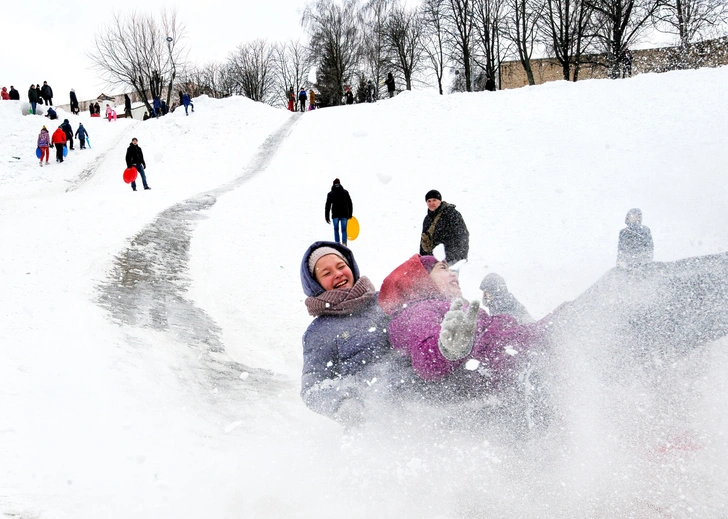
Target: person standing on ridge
point(5, 94)
point(186, 101)
point(302, 99)
point(135, 158)
point(33, 98)
point(44, 143)
point(14, 94)
point(635, 241)
point(444, 224)
point(74, 102)
point(390, 84)
point(127, 106)
point(47, 93)
point(311, 100)
point(339, 206)
point(69, 132)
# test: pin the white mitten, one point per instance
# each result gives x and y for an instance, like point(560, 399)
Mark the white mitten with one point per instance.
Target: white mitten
point(350, 413)
point(457, 330)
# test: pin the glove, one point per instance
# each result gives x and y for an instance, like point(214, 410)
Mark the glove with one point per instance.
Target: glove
point(328, 221)
point(457, 330)
point(350, 412)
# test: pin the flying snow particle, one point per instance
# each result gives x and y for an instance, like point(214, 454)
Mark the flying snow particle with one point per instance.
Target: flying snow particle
point(510, 351)
point(472, 364)
point(384, 178)
point(244, 375)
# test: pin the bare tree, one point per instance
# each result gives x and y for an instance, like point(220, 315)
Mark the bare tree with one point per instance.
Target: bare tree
point(207, 79)
point(521, 26)
point(691, 19)
point(335, 45)
point(252, 69)
point(619, 24)
point(489, 19)
point(432, 12)
point(403, 37)
point(459, 28)
point(567, 31)
point(292, 67)
point(139, 51)
point(374, 15)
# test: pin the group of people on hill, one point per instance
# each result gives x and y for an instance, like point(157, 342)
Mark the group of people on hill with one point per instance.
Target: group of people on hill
point(297, 102)
point(62, 137)
point(416, 334)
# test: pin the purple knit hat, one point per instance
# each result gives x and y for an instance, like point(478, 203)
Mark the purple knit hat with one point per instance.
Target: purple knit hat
point(428, 262)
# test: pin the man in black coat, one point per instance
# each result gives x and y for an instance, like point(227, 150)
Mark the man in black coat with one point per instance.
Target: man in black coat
point(66, 126)
point(444, 224)
point(47, 93)
point(635, 241)
point(74, 102)
point(338, 204)
point(127, 106)
point(390, 84)
point(14, 94)
point(135, 158)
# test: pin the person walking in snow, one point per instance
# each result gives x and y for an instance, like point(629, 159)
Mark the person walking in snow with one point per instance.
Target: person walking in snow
point(127, 106)
point(635, 245)
point(14, 94)
point(390, 84)
point(5, 94)
point(110, 113)
point(74, 102)
point(135, 158)
point(47, 93)
point(311, 100)
point(627, 64)
point(444, 224)
point(186, 101)
point(69, 133)
point(339, 206)
point(33, 98)
point(81, 135)
point(44, 143)
point(157, 106)
point(59, 141)
point(346, 345)
point(291, 100)
point(349, 96)
point(497, 300)
point(302, 97)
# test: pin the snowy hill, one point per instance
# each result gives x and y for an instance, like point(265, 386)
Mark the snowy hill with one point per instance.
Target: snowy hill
point(152, 339)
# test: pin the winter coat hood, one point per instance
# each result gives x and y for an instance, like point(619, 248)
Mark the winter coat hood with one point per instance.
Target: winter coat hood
point(493, 284)
point(408, 283)
point(637, 213)
point(310, 286)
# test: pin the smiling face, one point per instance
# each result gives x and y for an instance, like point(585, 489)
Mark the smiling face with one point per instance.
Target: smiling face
point(332, 272)
point(433, 203)
point(446, 280)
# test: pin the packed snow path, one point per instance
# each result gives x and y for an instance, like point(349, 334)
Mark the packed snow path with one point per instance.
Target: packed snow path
point(148, 283)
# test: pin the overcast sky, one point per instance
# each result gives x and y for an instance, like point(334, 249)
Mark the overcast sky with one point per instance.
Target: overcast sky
point(49, 41)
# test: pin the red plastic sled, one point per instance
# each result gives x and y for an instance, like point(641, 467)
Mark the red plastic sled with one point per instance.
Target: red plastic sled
point(130, 175)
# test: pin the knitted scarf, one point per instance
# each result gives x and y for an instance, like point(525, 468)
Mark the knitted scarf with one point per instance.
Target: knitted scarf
point(342, 301)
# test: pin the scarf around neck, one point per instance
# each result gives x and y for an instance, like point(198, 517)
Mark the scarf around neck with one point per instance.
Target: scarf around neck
point(342, 301)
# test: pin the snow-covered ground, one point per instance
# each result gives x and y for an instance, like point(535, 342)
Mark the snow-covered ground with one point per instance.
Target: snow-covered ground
point(102, 416)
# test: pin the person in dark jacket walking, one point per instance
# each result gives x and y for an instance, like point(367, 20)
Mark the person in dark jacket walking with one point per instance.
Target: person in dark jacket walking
point(302, 97)
point(497, 300)
point(74, 102)
point(81, 135)
point(14, 94)
point(635, 241)
point(33, 99)
point(135, 157)
point(187, 102)
point(39, 94)
point(157, 106)
point(349, 96)
point(339, 206)
point(47, 93)
point(390, 84)
point(69, 133)
point(346, 346)
point(444, 224)
point(97, 110)
point(127, 106)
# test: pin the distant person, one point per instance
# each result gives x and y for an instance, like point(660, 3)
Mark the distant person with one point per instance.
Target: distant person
point(627, 64)
point(311, 100)
point(186, 101)
point(146, 116)
point(390, 84)
point(52, 115)
point(59, 141)
point(47, 93)
point(5, 94)
point(97, 110)
point(157, 106)
point(497, 300)
point(14, 94)
point(340, 209)
point(38, 94)
point(302, 98)
point(370, 91)
point(490, 84)
point(635, 241)
point(164, 107)
point(291, 100)
point(44, 143)
point(74, 102)
point(33, 98)
point(349, 96)
point(69, 132)
point(91, 109)
point(110, 114)
point(81, 135)
point(443, 224)
point(127, 106)
point(135, 158)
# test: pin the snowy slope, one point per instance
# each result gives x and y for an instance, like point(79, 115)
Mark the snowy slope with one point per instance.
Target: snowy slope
point(102, 418)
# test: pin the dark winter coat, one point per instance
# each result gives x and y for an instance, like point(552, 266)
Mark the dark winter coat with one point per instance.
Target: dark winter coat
point(91, 109)
point(97, 109)
point(127, 102)
point(74, 100)
point(33, 95)
point(390, 82)
point(501, 301)
point(341, 353)
point(349, 98)
point(14, 95)
point(135, 156)
point(185, 99)
point(46, 92)
point(302, 96)
point(52, 113)
point(67, 128)
point(156, 104)
point(338, 203)
point(635, 245)
point(450, 230)
point(38, 94)
point(81, 133)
